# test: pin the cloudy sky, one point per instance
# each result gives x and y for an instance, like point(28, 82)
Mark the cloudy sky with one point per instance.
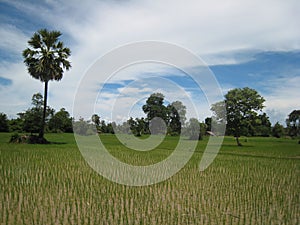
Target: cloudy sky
point(254, 43)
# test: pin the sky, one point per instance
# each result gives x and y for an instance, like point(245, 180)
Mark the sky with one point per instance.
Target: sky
point(248, 43)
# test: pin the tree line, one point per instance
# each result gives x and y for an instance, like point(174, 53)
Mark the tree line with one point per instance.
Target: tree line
point(244, 117)
point(46, 59)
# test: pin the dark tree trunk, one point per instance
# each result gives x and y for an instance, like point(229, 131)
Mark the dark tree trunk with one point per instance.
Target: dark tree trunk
point(42, 131)
point(238, 141)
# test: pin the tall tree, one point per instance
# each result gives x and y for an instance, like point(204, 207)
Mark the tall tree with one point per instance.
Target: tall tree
point(242, 106)
point(155, 107)
point(96, 121)
point(3, 123)
point(293, 123)
point(208, 122)
point(193, 129)
point(176, 117)
point(46, 58)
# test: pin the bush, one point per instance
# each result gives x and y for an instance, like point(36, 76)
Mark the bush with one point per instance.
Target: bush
point(15, 138)
point(27, 139)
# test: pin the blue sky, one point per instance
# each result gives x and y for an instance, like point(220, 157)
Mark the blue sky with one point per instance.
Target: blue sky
point(244, 43)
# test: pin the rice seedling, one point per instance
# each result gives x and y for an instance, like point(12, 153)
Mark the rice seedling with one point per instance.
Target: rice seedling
point(52, 184)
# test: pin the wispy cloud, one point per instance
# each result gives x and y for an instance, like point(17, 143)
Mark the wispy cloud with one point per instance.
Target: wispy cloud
point(282, 97)
point(219, 32)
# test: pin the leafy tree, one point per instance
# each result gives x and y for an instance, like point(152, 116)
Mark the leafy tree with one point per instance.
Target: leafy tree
point(31, 120)
point(208, 122)
point(242, 106)
point(123, 128)
point(155, 107)
point(16, 125)
point(138, 126)
point(83, 127)
point(61, 122)
point(96, 121)
point(33, 116)
point(261, 126)
point(46, 59)
point(193, 129)
point(203, 129)
point(293, 123)
point(278, 130)
point(103, 127)
point(111, 127)
point(107, 128)
point(176, 117)
point(3, 123)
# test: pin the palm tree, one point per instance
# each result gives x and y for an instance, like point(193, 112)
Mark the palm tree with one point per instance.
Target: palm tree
point(45, 61)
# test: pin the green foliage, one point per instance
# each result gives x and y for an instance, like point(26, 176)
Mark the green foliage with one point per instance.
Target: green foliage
point(106, 128)
point(173, 114)
point(27, 139)
point(96, 121)
point(15, 125)
point(293, 123)
point(193, 129)
point(138, 127)
point(32, 117)
point(46, 60)
point(83, 127)
point(242, 107)
point(176, 117)
point(3, 123)
point(61, 122)
point(155, 107)
point(47, 56)
point(15, 138)
point(208, 123)
point(278, 130)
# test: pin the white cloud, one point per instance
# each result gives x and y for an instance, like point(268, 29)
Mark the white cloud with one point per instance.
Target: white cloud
point(14, 40)
point(283, 97)
point(215, 30)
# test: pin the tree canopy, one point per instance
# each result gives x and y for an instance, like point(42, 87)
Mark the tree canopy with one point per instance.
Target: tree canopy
point(173, 115)
point(242, 107)
point(3, 123)
point(46, 58)
point(293, 123)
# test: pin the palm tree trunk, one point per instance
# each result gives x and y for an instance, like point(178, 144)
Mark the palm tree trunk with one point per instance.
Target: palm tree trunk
point(42, 131)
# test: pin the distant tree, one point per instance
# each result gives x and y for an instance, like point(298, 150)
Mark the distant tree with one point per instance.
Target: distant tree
point(176, 117)
point(83, 127)
point(45, 60)
point(293, 123)
point(16, 125)
point(33, 116)
point(242, 106)
point(61, 122)
point(138, 126)
point(203, 129)
point(261, 126)
point(3, 123)
point(96, 121)
point(193, 129)
point(103, 127)
point(208, 122)
point(123, 128)
point(155, 107)
point(110, 128)
point(277, 130)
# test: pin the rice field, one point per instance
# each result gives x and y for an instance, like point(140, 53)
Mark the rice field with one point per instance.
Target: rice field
point(258, 183)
